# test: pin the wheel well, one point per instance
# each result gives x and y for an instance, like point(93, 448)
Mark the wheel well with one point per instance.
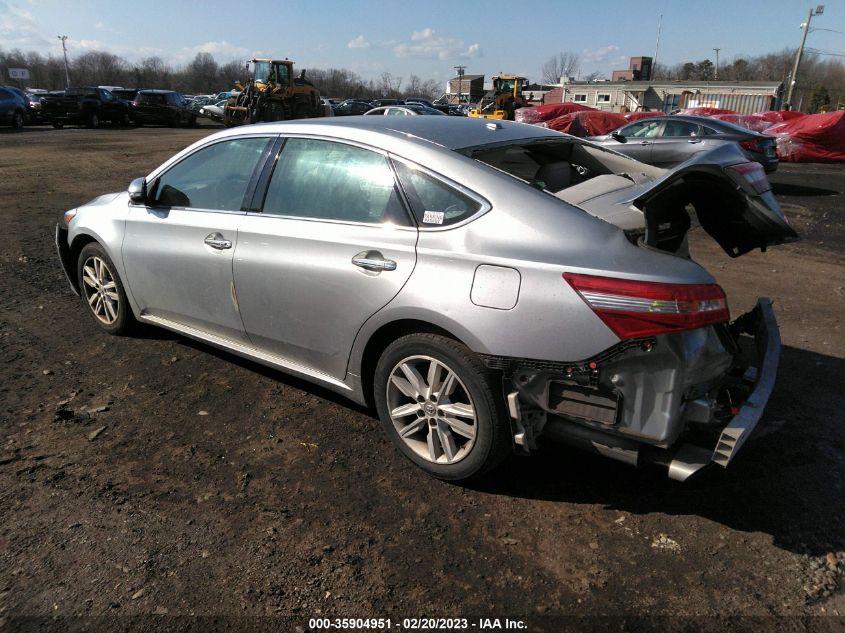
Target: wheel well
point(76, 247)
point(383, 337)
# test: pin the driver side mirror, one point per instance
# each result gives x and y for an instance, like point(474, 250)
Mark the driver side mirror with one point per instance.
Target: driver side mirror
point(618, 136)
point(138, 191)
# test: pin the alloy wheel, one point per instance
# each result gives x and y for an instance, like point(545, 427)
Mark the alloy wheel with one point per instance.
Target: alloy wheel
point(431, 409)
point(100, 290)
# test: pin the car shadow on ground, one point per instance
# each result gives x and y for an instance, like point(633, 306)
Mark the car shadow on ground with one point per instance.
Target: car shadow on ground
point(789, 480)
point(788, 189)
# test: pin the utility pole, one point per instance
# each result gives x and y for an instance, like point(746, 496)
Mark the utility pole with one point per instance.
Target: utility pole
point(656, 46)
point(793, 77)
point(716, 72)
point(63, 38)
point(460, 70)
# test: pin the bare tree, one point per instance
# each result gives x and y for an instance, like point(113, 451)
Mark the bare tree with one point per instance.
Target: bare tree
point(560, 65)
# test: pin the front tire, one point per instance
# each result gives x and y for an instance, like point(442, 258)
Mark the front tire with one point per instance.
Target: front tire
point(93, 121)
point(17, 120)
point(441, 407)
point(102, 291)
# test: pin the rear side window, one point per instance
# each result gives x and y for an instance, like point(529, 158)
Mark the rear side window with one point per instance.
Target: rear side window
point(325, 180)
point(680, 128)
point(434, 202)
point(215, 177)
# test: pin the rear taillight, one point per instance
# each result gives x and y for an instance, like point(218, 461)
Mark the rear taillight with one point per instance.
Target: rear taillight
point(753, 146)
point(754, 174)
point(643, 308)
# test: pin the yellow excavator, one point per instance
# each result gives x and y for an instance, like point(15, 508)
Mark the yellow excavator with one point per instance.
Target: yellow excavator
point(501, 102)
point(273, 94)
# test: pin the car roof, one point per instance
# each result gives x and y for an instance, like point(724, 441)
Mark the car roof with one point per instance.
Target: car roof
point(155, 91)
point(449, 132)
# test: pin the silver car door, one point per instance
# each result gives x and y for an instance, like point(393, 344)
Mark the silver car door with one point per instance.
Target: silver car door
point(639, 137)
point(333, 244)
point(178, 248)
point(677, 141)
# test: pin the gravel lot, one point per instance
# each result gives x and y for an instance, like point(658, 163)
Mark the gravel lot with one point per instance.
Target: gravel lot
point(145, 481)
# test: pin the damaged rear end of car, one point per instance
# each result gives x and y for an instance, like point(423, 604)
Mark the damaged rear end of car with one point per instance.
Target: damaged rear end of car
point(685, 385)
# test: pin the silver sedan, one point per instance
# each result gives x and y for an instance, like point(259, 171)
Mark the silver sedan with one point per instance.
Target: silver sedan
point(484, 285)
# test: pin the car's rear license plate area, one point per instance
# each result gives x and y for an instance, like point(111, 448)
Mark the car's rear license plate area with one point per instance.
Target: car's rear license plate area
point(587, 403)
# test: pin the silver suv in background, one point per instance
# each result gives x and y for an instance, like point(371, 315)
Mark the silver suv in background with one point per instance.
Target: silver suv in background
point(669, 140)
point(483, 284)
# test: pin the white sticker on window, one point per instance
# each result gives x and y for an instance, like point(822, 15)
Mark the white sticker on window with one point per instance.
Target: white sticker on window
point(433, 217)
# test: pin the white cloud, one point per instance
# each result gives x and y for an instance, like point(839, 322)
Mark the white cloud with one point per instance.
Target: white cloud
point(99, 26)
point(222, 51)
point(18, 29)
point(425, 34)
point(591, 56)
point(426, 43)
point(358, 42)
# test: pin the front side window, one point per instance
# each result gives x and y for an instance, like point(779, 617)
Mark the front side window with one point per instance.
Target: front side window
point(434, 202)
point(215, 177)
point(325, 180)
point(642, 129)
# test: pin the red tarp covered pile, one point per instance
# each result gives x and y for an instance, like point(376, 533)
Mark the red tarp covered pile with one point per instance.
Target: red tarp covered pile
point(636, 116)
point(587, 123)
point(547, 112)
point(779, 116)
point(811, 138)
point(752, 122)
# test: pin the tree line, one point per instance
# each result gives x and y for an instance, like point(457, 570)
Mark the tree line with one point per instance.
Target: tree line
point(202, 75)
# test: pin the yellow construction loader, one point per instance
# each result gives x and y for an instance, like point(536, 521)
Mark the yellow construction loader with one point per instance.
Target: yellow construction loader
point(273, 94)
point(503, 99)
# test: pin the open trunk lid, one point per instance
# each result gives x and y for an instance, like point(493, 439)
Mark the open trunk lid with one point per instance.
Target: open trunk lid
point(731, 197)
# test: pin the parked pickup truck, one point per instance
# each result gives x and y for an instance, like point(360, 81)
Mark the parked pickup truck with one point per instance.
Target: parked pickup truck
point(84, 106)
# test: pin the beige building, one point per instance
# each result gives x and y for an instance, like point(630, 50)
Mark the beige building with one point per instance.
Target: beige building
point(744, 97)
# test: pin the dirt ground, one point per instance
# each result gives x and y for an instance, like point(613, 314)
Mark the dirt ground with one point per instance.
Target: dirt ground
point(151, 482)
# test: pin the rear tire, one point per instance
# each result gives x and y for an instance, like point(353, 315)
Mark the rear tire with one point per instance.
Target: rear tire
point(454, 430)
point(102, 291)
point(93, 121)
point(58, 125)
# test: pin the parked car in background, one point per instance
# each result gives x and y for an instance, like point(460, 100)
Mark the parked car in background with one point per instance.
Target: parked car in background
point(127, 94)
point(214, 111)
point(482, 283)
point(409, 109)
point(14, 107)
point(378, 103)
point(162, 107)
point(88, 106)
point(34, 97)
point(669, 140)
point(352, 106)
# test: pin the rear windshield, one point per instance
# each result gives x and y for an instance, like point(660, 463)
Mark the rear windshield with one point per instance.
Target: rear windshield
point(555, 165)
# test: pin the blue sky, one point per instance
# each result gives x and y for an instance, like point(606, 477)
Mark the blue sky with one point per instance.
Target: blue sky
point(425, 37)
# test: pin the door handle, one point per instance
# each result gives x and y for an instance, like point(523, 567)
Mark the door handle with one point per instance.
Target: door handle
point(694, 140)
point(373, 260)
point(216, 240)
point(645, 143)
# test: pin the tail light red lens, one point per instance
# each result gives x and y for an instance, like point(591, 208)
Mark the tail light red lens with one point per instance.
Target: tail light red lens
point(750, 145)
point(754, 174)
point(633, 309)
